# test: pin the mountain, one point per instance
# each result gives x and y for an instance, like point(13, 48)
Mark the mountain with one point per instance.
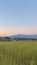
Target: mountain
point(23, 36)
point(20, 36)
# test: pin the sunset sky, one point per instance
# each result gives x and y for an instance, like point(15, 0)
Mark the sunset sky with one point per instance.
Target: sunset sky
point(18, 17)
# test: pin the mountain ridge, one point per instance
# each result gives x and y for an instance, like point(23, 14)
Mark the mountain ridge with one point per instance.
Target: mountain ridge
point(23, 36)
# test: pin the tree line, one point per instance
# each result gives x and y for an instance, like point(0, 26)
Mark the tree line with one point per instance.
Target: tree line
point(17, 39)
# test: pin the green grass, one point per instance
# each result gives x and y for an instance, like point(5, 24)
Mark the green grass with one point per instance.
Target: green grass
point(18, 53)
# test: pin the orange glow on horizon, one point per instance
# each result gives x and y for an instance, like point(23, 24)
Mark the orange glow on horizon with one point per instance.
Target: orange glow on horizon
point(14, 32)
point(8, 34)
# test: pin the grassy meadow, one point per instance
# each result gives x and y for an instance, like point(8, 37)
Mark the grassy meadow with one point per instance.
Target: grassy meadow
point(18, 53)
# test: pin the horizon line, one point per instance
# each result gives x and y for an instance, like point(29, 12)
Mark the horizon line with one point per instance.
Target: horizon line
point(16, 34)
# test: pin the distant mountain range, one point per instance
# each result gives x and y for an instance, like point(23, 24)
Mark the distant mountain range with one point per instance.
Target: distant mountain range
point(19, 37)
point(23, 36)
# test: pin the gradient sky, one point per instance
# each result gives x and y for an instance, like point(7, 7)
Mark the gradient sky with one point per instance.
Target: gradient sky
point(18, 17)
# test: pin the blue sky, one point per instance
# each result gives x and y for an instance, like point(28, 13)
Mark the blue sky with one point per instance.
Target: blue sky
point(18, 16)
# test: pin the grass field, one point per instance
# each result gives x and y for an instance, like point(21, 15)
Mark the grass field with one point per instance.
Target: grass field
point(18, 53)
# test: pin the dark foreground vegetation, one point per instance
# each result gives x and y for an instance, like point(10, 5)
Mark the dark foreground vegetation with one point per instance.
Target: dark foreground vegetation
point(17, 39)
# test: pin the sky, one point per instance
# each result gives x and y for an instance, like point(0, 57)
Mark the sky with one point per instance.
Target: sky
point(18, 17)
